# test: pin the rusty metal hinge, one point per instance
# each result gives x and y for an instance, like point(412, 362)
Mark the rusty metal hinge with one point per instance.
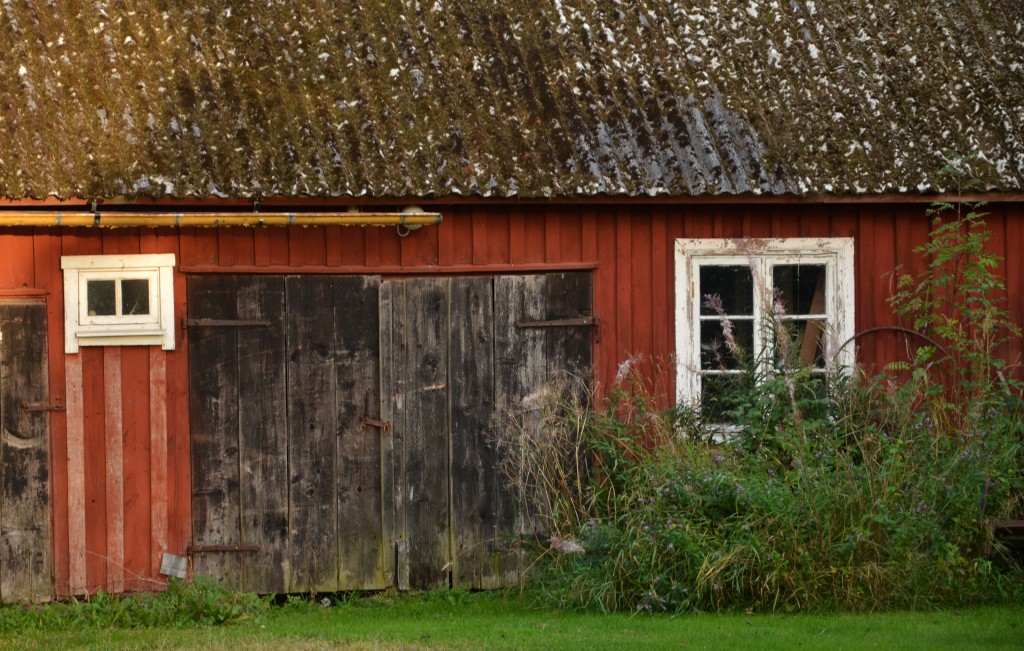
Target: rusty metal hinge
point(554, 323)
point(41, 407)
point(202, 549)
point(373, 422)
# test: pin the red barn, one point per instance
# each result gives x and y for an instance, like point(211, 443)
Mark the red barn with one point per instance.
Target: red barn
point(201, 358)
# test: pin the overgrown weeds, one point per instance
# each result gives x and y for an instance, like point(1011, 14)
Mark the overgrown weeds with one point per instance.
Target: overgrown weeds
point(201, 602)
point(545, 457)
point(847, 492)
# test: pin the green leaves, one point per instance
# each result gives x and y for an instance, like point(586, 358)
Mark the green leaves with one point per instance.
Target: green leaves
point(201, 602)
point(958, 301)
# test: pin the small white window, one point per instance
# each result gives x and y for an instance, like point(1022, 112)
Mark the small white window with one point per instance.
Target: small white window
point(118, 300)
point(731, 295)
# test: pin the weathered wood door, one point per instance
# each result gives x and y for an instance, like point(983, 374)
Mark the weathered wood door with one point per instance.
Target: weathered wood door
point(454, 351)
point(342, 427)
point(25, 554)
point(285, 478)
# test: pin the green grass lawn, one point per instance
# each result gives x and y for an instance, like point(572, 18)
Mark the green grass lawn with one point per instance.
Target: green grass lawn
point(494, 621)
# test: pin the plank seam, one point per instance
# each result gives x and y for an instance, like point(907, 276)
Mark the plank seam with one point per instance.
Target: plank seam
point(114, 443)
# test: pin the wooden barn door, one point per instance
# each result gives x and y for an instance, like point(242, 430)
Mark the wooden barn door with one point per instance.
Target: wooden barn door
point(25, 554)
point(342, 427)
point(285, 476)
point(454, 351)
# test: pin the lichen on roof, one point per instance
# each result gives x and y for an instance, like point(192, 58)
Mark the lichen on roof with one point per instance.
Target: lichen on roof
point(525, 98)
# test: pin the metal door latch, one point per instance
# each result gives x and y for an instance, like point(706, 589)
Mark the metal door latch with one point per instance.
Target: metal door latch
point(373, 422)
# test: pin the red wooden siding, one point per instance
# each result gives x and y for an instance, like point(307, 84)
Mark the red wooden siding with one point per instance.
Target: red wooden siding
point(120, 453)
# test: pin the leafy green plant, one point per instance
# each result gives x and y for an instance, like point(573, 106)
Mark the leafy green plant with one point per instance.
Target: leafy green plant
point(201, 602)
point(958, 304)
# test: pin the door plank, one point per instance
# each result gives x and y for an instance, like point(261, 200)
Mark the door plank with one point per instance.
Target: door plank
point(263, 432)
point(312, 435)
point(531, 360)
point(213, 371)
point(520, 376)
point(392, 364)
point(25, 552)
point(474, 460)
point(421, 411)
point(357, 352)
point(427, 446)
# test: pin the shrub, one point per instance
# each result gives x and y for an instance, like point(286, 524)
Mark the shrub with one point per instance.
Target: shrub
point(872, 494)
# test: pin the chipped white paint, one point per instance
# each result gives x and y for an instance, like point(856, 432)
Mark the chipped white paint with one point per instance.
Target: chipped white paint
point(835, 253)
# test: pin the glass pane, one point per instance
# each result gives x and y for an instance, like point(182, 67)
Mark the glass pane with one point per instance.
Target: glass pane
point(721, 394)
point(721, 350)
point(734, 286)
point(803, 343)
point(135, 296)
point(801, 287)
point(100, 298)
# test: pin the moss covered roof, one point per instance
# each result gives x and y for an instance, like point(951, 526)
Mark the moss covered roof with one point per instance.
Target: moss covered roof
point(527, 98)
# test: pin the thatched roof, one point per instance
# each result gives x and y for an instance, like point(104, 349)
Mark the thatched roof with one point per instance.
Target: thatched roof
point(526, 98)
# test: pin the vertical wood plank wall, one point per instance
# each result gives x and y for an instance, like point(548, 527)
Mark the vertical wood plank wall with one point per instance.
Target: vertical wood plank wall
point(120, 474)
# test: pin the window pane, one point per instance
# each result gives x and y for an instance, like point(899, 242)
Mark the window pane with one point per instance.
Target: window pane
point(135, 296)
point(803, 343)
point(717, 352)
point(733, 285)
point(721, 394)
point(100, 298)
point(801, 287)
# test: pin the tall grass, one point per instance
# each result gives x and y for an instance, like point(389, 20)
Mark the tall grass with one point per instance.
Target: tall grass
point(872, 494)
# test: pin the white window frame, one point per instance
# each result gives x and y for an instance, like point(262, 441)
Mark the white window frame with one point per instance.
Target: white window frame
point(836, 253)
point(156, 328)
